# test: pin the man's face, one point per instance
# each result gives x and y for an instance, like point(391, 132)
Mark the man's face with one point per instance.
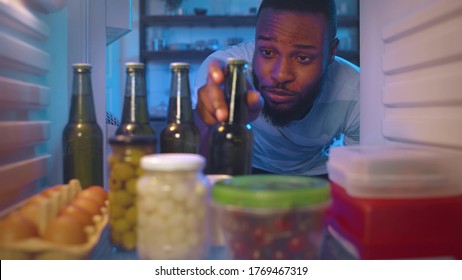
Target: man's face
point(291, 57)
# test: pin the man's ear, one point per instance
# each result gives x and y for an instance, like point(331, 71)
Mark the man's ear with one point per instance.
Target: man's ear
point(333, 49)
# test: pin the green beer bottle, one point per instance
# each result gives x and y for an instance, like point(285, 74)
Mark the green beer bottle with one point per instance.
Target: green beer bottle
point(181, 134)
point(230, 144)
point(135, 117)
point(82, 136)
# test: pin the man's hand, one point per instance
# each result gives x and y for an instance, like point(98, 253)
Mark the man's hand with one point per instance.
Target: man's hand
point(211, 104)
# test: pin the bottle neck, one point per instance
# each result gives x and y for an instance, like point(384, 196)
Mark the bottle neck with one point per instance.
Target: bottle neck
point(135, 108)
point(235, 90)
point(82, 103)
point(180, 107)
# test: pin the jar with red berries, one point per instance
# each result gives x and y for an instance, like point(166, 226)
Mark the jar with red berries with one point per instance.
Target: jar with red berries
point(271, 216)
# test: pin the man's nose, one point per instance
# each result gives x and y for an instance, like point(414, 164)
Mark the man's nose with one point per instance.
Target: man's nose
point(282, 71)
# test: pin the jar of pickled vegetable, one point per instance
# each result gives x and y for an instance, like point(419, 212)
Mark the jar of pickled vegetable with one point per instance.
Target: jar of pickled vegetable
point(124, 170)
point(172, 203)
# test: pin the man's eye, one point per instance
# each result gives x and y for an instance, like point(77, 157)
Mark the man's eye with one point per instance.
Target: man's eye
point(303, 59)
point(267, 53)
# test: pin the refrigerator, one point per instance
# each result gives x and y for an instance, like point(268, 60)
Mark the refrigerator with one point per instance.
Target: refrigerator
point(411, 76)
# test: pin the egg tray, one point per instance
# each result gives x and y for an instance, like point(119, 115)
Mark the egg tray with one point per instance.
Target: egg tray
point(37, 248)
point(40, 249)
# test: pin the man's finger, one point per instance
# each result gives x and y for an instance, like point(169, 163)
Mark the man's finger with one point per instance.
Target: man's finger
point(215, 73)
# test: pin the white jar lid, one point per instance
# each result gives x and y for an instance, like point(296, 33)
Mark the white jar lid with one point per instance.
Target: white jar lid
point(173, 161)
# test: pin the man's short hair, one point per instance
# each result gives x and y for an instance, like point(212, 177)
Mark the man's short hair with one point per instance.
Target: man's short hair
point(324, 7)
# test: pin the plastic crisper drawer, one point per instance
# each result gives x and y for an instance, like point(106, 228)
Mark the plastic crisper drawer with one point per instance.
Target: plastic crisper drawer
point(395, 172)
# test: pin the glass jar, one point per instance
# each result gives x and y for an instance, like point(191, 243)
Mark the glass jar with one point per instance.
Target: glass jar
point(124, 169)
point(271, 216)
point(172, 203)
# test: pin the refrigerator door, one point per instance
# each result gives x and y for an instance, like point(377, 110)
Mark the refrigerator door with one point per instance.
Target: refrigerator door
point(411, 73)
point(36, 54)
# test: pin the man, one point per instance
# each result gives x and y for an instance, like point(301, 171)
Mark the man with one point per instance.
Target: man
point(306, 98)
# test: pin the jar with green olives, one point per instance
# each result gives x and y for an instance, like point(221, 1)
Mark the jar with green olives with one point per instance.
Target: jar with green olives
point(124, 171)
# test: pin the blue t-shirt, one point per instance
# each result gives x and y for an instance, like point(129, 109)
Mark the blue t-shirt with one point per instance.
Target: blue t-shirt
point(302, 148)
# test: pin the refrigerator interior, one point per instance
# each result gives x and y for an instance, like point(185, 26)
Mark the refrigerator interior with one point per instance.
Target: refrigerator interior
point(411, 64)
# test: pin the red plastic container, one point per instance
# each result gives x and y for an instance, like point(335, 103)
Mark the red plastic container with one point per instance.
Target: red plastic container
point(384, 226)
point(398, 229)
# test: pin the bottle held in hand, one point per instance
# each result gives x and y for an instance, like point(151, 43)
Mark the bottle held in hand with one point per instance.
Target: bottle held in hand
point(231, 142)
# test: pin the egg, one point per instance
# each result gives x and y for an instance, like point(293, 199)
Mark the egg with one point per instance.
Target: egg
point(31, 210)
point(16, 227)
point(98, 194)
point(65, 230)
point(82, 216)
point(87, 204)
point(97, 191)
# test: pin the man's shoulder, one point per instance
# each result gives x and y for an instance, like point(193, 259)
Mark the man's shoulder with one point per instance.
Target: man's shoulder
point(343, 68)
point(342, 81)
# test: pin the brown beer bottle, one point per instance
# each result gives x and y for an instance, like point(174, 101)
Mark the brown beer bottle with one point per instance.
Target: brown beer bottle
point(181, 134)
point(135, 116)
point(230, 144)
point(82, 136)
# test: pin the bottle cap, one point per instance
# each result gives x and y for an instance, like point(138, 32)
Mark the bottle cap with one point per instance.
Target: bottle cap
point(134, 65)
point(179, 65)
point(81, 66)
point(236, 61)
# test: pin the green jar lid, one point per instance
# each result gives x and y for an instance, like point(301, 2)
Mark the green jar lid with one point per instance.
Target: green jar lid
point(271, 191)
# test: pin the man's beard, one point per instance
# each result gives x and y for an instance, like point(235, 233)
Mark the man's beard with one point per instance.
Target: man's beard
point(283, 118)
